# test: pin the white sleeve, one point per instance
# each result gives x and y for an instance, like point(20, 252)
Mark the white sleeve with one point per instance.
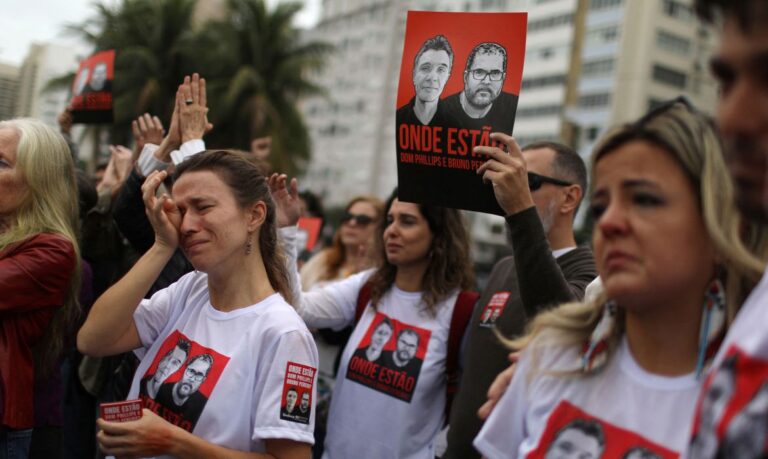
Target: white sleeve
point(292, 350)
point(188, 149)
point(330, 306)
point(154, 314)
point(147, 161)
point(504, 430)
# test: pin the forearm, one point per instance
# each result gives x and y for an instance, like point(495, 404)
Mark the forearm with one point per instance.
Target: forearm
point(189, 446)
point(111, 317)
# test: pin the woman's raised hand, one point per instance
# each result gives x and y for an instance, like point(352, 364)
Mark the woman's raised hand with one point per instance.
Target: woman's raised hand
point(161, 211)
point(286, 196)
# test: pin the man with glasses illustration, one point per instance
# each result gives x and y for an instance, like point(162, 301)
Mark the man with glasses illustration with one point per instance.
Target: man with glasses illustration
point(482, 102)
point(183, 396)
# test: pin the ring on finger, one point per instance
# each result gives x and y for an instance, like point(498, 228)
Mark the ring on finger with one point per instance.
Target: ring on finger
point(189, 101)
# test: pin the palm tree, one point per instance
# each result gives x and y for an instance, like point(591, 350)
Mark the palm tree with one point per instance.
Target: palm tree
point(258, 72)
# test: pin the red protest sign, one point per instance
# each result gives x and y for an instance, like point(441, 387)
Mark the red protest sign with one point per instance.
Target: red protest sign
point(91, 101)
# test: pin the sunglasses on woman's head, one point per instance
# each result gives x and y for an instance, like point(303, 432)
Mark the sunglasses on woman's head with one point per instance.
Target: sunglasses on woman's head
point(535, 181)
point(360, 219)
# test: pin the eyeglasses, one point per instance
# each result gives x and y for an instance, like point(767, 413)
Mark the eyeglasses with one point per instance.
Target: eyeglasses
point(535, 181)
point(480, 74)
point(194, 375)
point(359, 219)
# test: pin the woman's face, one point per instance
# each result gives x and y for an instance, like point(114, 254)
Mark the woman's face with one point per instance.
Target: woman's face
point(214, 229)
point(407, 237)
point(353, 232)
point(649, 238)
point(12, 185)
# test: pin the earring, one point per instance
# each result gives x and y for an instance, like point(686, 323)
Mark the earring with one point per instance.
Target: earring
point(249, 244)
point(596, 349)
point(712, 324)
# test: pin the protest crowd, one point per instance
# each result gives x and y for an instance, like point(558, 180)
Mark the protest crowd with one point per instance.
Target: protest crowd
point(172, 307)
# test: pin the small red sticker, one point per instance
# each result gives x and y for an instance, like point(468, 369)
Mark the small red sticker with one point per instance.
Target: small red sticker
point(129, 410)
point(296, 403)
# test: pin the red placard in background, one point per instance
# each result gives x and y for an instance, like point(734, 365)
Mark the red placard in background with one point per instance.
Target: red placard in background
point(91, 101)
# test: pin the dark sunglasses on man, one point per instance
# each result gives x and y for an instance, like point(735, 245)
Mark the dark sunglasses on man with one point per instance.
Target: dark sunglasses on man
point(359, 219)
point(535, 181)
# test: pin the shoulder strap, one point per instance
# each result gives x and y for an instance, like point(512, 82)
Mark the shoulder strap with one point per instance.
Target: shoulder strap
point(462, 313)
point(363, 297)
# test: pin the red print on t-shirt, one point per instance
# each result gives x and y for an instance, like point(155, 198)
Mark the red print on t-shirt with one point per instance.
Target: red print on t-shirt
point(732, 414)
point(296, 403)
point(492, 311)
point(572, 432)
point(389, 357)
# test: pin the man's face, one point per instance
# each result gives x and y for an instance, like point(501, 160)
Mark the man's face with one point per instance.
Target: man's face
point(430, 74)
point(304, 406)
point(407, 344)
point(290, 399)
point(381, 335)
point(99, 77)
point(481, 93)
point(169, 364)
point(548, 197)
point(574, 444)
point(741, 66)
point(193, 377)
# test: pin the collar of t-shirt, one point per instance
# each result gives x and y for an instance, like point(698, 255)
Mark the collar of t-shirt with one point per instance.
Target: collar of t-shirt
point(560, 252)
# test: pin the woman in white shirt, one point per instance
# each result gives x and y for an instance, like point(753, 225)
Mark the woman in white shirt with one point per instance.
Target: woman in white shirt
point(390, 403)
point(618, 376)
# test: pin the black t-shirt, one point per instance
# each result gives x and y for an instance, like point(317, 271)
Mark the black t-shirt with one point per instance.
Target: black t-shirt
point(501, 116)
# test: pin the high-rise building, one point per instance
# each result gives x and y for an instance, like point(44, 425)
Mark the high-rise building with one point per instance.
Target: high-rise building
point(9, 86)
point(43, 63)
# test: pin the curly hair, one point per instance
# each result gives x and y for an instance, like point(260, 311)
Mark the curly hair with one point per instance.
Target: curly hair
point(449, 267)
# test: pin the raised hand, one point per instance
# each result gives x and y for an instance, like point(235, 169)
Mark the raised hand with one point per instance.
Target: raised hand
point(161, 211)
point(193, 109)
point(286, 196)
point(507, 173)
point(147, 129)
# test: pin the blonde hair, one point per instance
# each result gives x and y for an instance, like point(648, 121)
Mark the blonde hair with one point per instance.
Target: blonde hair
point(337, 252)
point(690, 137)
point(49, 205)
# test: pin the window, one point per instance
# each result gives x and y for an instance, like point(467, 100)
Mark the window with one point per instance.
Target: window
point(550, 22)
point(595, 100)
point(599, 67)
point(542, 110)
point(540, 82)
point(673, 43)
point(677, 10)
point(669, 76)
point(603, 4)
point(602, 35)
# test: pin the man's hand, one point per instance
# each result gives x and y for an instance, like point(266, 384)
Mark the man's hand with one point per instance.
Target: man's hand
point(149, 436)
point(507, 173)
point(193, 109)
point(286, 198)
point(146, 129)
point(498, 387)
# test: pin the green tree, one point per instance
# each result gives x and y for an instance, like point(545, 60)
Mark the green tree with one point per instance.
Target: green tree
point(257, 70)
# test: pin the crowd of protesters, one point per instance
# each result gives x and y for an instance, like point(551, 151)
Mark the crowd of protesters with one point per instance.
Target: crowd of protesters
point(178, 278)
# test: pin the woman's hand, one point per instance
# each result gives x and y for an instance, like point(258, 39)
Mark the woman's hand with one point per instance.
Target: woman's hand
point(162, 212)
point(149, 436)
point(286, 198)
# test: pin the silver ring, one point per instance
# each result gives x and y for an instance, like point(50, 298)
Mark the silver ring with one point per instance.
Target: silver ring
point(189, 101)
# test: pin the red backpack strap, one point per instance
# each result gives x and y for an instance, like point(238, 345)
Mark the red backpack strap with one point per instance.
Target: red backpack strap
point(462, 314)
point(363, 297)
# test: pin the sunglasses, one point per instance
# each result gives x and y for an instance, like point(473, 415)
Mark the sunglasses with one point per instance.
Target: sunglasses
point(535, 181)
point(360, 220)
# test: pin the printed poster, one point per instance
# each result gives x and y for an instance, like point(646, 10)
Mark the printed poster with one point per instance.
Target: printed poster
point(492, 311)
point(309, 232)
point(732, 414)
point(389, 357)
point(91, 101)
point(460, 79)
point(571, 432)
point(296, 403)
point(179, 382)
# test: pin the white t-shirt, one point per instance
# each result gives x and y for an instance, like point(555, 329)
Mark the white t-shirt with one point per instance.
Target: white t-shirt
point(732, 413)
point(389, 397)
point(232, 378)
point(619, 412)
